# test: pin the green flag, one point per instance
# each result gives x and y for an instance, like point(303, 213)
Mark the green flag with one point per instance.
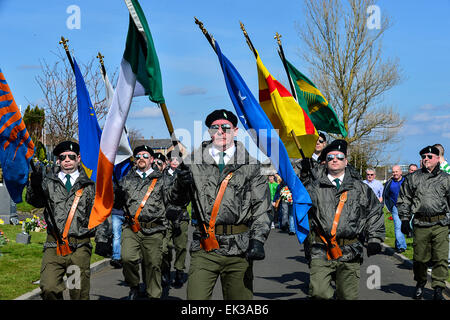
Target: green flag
point(314, 103)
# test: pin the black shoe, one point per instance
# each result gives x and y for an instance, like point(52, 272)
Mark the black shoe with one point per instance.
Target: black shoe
point(418, 294)
point(178, 282)
point(291, 233)
point(116, 264)
point(401, 250)
point(438, 294)
point(134, 293)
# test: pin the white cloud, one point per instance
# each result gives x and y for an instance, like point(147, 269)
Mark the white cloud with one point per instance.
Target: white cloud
point(147, 112)
point(191, 90)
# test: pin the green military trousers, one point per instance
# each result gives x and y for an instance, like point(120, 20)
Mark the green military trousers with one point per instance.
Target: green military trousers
point(77, 265)
point(137, 247)
point(431, 244)
point(235, 273)
point(347, 277)
point(179, 244)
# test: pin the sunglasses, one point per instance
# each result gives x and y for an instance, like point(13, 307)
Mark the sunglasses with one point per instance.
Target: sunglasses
point(145, 156)
point(429, 156)
point(63, 157)
point(159, 162)
point(337, 156)
point(321, 141)
point(370, 174)
point(215, 127)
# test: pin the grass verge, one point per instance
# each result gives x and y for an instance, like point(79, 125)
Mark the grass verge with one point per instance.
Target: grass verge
point(21, 263)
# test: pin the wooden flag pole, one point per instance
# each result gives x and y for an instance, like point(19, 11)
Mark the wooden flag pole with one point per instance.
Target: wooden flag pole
point(283, 60)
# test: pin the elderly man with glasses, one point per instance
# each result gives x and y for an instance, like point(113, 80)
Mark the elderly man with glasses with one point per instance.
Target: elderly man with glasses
point(345, 212)
point(374, 184)
point(425, 195)
point(235, 199)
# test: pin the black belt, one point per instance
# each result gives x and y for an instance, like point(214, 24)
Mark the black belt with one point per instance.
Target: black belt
point(149, 225)
point(340, 242)
point(73, 242)
point(229, 229)
point(431, 219)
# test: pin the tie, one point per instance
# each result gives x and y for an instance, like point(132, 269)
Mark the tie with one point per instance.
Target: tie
point(338, 183)
point(221, 161)
point(68, 184)
point(143, 175)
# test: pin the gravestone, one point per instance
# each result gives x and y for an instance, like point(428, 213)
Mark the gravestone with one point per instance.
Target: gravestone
point(7, 206)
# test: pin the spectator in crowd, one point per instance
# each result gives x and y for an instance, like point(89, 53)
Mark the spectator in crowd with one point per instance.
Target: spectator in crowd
point(412, 167)
point(390, 195)
point(374, 184)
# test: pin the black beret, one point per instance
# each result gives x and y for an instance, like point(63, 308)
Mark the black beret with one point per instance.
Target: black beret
point(160, 156)
point(142, 148)
point(169, 154)
point(323, 136)
point(336, 145)
point(66, 146)
point(219, 115)
point(429, 149)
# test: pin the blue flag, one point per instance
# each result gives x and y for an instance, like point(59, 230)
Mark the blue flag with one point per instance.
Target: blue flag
point(89, 132)
point(261, 130)
point(16, 146)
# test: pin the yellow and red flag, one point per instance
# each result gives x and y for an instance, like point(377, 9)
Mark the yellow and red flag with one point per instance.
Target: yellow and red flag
point(285, 114)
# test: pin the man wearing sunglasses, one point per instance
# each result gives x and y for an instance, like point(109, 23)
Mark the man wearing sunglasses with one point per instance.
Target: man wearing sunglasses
point(373, 183)
point(57, 192)
point(244, 214)
point(425, 195)
point(359, 218)
point(142, 240)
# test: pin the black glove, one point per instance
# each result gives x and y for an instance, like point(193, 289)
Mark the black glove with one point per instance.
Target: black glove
point(255, 250)
point(176, 230)
point(36, 179)
point(306, 164)
point(172, 214)
point(406, 228)
point(373, 248)
point(103, 249)
point(184, 178)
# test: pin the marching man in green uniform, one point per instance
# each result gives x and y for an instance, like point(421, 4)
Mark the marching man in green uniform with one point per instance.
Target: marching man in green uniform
point(68, 196)
point(425, 194)
point(141, 194)
point(235, 200)
point(344, 213)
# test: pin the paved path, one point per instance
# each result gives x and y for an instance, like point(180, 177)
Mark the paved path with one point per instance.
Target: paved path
point(284, 275)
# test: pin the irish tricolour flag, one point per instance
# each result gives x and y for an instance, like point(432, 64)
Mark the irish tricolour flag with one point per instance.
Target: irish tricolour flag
point(139, 75)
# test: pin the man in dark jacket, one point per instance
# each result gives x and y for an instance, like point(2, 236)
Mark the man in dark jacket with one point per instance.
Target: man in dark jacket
point(244, 216)
point(141, 195)
point(58, 192)
point(177, 233)
point(425, 194)
point(361, 219)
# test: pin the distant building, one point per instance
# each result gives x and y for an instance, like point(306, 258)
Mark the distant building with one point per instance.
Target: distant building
point(163, 146)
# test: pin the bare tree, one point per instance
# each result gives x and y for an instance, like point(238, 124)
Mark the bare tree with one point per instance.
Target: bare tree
point(58, 86)
point(346, 64)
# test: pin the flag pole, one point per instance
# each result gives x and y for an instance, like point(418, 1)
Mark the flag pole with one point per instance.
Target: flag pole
point(249, 42)
point(283, 60)
point(208, 36)
point(66, 48)
point(102, 65)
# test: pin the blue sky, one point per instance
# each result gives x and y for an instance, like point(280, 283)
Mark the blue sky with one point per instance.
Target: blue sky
point(193, 83)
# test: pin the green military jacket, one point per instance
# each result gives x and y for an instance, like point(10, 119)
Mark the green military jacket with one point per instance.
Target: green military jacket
point(130, 194)
point(246, 199)
point(361, 219)
point(60, 201)
point(425, 194)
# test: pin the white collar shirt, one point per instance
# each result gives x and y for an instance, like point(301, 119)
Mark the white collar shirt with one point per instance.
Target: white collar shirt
point(215, 154)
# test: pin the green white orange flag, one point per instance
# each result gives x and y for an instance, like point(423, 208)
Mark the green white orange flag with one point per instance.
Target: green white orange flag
point(285, 114)
point(139, 75)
